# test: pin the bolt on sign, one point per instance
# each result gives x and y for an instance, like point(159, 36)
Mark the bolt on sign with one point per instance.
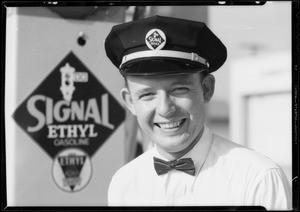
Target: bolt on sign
point(70, 115)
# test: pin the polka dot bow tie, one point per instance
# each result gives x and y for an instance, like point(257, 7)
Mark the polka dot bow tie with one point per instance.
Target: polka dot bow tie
point(185, 165)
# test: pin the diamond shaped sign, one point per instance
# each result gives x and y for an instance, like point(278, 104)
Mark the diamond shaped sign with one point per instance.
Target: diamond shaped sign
point(70, 108)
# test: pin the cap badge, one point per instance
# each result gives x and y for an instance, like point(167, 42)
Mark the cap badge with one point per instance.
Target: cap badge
point(155, 39)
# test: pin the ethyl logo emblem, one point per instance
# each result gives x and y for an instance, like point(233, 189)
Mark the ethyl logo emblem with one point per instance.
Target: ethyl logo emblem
point(155, 39)
point(72, 169)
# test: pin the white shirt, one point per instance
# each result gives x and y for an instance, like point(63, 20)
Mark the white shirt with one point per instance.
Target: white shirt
point(226, 174)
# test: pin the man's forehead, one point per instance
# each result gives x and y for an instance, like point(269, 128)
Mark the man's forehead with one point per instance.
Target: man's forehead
point(166, 79)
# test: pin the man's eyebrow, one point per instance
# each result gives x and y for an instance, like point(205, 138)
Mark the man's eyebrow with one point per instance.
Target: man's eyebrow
point(183, 82)
point(143, 90)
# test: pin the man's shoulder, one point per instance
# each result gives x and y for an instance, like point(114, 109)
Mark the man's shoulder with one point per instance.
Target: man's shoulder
point(129, 179)
point(242, 155)
point(136, 166)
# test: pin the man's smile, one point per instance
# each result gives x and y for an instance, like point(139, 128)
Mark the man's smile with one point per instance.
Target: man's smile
point(170, 124)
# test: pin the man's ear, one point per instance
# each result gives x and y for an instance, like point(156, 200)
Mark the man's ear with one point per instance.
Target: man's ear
point(208, 86)
point(125, 93)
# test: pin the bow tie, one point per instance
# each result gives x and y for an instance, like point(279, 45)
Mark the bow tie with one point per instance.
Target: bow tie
point(185, 164)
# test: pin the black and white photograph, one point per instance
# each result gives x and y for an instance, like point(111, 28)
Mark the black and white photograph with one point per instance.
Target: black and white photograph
point(111, 104)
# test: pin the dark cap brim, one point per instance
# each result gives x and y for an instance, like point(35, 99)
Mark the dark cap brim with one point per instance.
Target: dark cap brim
point(160, 66)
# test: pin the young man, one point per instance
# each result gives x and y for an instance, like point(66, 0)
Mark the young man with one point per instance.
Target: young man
point(167, 63)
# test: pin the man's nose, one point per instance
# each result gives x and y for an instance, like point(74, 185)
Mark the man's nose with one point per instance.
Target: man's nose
point(166, 106)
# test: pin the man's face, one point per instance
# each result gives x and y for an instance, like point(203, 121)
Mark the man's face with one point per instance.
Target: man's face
point(169, 109)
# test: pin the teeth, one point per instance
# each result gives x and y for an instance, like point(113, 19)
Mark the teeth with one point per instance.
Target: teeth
point(169, 125)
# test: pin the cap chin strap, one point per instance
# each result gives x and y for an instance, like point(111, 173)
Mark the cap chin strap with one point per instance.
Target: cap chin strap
point(164, 53)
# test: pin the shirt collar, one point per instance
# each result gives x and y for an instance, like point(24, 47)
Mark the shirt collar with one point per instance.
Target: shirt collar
point(199, 152)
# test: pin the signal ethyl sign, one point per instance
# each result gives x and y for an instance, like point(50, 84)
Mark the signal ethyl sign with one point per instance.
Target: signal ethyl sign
point(70, 115)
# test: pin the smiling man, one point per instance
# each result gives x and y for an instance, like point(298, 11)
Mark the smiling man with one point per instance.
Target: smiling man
point(166, 63)
point(170, 108)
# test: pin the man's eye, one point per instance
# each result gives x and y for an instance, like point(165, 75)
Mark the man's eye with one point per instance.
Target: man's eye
point(146, 96)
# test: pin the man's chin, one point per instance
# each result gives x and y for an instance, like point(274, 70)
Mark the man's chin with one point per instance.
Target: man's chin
point(173, 145)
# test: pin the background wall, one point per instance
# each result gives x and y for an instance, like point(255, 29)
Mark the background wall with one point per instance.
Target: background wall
point(39, 171)
point(258, 38)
